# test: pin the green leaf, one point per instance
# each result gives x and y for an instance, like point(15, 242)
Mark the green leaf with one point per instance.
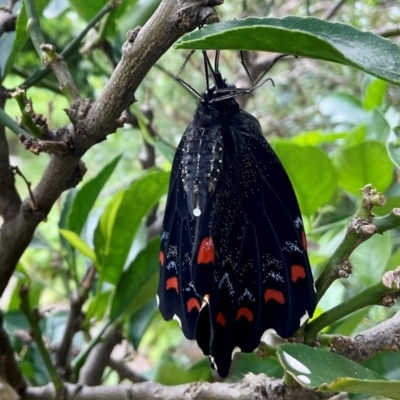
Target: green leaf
point(369, 259)
point(378, 128)
point(22, 33)
point(385, 364)
point(97, 306)
point(307, 37)
point(87, 9)
point(139, 321)
point(121, 219)
point(87, 195)
point(311, 173)
point(75, 241)
point(347, 325)
point(308, 366)
point(314, 138)
point(137, 15)
point(343, 108)
point(393, 146)
point(249, 362)
point(361, 164)
point(169, 373)
point(374, 94)
point(389, 389)
point(138, 283)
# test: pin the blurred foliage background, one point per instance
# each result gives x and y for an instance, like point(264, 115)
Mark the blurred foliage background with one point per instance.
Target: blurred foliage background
point(331, 125)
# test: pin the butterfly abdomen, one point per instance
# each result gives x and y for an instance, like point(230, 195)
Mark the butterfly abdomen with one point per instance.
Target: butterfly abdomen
point(201, 167)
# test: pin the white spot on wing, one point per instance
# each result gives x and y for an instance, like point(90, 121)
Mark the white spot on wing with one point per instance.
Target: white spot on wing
point(197, 212)
point(213, 362)
point(266, 336)
point(295, 364)
point(176, 318)
point(158, 300)
point(304, 318)
point(303, 378)
point(235, 350)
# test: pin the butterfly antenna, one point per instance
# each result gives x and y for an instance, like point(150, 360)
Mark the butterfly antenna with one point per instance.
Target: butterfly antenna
point(234, 92)
point(181, 81)
point(245, 68)
point(261, 77)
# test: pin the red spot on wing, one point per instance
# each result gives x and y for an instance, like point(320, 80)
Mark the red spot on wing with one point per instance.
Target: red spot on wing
point(304, 240)
point(162, 258)
point(244, 312)
point(221, 319)
point(206, 252)
point(192, 303)
point(272, 294)
point(172, 283)
point(297, 272)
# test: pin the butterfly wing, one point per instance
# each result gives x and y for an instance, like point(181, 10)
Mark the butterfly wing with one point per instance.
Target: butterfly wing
point(176, 295)
point(262, 273)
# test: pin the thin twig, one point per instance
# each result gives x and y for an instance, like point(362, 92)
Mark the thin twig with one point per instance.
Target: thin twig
point(17, 171)
point(74, 322)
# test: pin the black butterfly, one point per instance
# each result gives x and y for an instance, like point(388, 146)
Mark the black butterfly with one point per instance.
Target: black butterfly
point(233, 259)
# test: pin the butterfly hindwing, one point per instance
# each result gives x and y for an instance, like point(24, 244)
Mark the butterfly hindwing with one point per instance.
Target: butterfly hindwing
point(262, 270)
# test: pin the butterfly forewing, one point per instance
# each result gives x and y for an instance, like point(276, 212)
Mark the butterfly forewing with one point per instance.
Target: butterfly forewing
point(176, 294)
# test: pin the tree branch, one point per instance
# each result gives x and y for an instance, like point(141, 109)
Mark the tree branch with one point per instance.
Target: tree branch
point(74, 322)
point(92, 123)
point(250, 387)
point(92, 372)
point(382, 337)
point(9, 198)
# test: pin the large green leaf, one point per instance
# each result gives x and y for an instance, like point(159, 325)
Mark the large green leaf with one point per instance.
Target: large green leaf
point(308, 366)
point(311, 172)
point(87, 195)
point(308, 37)
point(138, 283)
point(121, 219)
point(363, 163)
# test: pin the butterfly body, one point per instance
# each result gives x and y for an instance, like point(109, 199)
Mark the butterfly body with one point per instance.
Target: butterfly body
point(233, 260)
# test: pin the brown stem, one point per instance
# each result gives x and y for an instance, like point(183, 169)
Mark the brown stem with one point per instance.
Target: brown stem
point(92, 372)
point(74, 322)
